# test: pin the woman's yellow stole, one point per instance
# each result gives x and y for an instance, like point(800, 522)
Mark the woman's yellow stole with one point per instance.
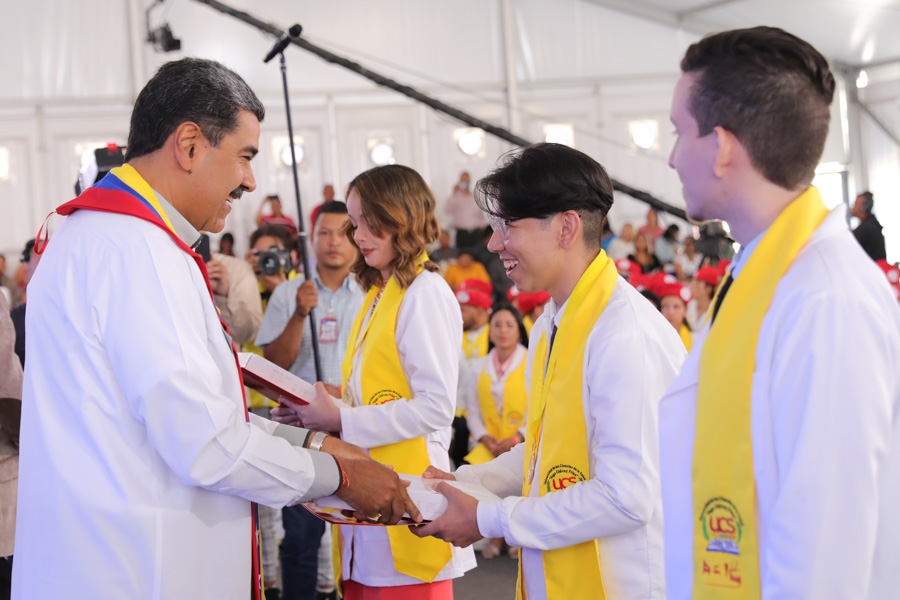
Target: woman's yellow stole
point(726, 562)
point(383, 381)
point(500, 426)
point(556, 425)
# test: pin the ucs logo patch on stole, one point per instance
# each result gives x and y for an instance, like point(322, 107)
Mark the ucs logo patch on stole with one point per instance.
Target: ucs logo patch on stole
point(723, 530)
point(562, 476)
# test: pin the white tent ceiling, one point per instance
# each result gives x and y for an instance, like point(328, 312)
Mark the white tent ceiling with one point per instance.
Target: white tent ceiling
point(853, 32)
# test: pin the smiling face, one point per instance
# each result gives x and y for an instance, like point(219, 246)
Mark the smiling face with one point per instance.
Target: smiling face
point(378, 251)
point(693, 157)
point(530, 255)
point(504, 330)
point(221, 174)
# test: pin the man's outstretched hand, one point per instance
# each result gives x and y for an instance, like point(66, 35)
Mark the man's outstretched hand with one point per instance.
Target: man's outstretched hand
point(376, 492)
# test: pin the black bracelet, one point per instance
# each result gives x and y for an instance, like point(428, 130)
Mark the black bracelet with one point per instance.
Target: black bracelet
point(309, 433)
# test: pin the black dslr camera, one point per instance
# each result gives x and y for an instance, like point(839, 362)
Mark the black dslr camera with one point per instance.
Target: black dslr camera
point(274, 261)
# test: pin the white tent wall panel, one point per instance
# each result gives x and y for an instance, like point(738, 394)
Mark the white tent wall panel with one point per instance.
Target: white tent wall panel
point(63, 49)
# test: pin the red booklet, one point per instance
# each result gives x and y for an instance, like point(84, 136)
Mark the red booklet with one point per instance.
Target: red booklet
point(272, 381)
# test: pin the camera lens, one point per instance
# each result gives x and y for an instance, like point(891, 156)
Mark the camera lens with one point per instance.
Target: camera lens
point(269, 263)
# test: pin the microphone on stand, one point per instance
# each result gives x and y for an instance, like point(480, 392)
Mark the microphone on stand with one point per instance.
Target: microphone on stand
point(282, 43)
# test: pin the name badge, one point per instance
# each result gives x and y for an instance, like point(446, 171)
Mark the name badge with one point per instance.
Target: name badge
point(328, 330)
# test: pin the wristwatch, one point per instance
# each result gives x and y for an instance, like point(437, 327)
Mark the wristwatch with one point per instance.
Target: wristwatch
point(318, 438)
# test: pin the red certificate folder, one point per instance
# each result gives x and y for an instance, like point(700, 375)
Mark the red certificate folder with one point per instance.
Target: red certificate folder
point(272, 381)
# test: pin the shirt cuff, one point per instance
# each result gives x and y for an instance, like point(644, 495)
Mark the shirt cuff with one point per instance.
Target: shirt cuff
point(296, 436)
point(327, 476)
point(488, 514)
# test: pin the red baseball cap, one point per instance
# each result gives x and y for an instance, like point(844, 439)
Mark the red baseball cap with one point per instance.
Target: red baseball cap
point(528, 302)
point(677, 289)
point(708, 275)
point(474, 297)
point(477, 284)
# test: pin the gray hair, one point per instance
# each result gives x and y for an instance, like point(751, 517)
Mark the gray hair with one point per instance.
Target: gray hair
point(201, 91)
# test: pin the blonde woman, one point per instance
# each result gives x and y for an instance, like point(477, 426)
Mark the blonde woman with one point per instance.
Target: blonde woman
point(399, 380)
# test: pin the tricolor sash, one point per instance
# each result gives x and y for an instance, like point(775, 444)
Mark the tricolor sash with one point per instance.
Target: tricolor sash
point(726, 560)
point(123, 191)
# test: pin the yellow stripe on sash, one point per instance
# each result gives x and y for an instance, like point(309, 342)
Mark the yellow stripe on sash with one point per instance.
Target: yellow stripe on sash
point(133, 179)
point(726, 561)
point(558, 428)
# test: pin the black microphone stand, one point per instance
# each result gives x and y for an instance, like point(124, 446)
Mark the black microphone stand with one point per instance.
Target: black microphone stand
point(301, 230)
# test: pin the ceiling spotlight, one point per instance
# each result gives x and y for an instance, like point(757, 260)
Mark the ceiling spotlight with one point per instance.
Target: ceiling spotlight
point(470, 141)
point(381, 152)
point(862, 80)
point(644, 133)
point(559, 133)
point(285, 153)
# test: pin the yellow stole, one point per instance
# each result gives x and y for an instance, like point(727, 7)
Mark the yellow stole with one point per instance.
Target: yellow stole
point(529, 323)
point(383, 381)
point(685, 333)
point(515, 397)
point(726, 563)
point(478, 346)
point(555, 406)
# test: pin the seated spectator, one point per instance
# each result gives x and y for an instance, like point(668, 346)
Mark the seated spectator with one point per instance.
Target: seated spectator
point(643, 254)
point(474, 297)
point(688, 260)
point(498, 396)
point(466, 267)
point(667, 246)
point(623, 245)
point(703, 288)
point(653, 230)
point(606, 236)
point(445, 255)
point(226, 244)
point(276, 216)
point(673, 300)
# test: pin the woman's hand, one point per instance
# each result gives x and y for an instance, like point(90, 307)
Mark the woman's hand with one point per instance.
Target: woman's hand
point(321, 414)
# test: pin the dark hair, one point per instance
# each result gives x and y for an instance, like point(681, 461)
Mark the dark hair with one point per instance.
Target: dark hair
point(868, 202)
point(202, 91)
point(226, 237)
point(546, 179)
point(279, 232)
point(395, 200)
point(332, 207)
point(523, 333)
point(771, 90)
point(653, 298)
point(671, 230)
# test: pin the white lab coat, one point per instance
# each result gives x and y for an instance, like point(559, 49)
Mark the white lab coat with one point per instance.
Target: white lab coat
point(137, 466)
point(631, 357)
point(428, 337)
point(825, 421)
